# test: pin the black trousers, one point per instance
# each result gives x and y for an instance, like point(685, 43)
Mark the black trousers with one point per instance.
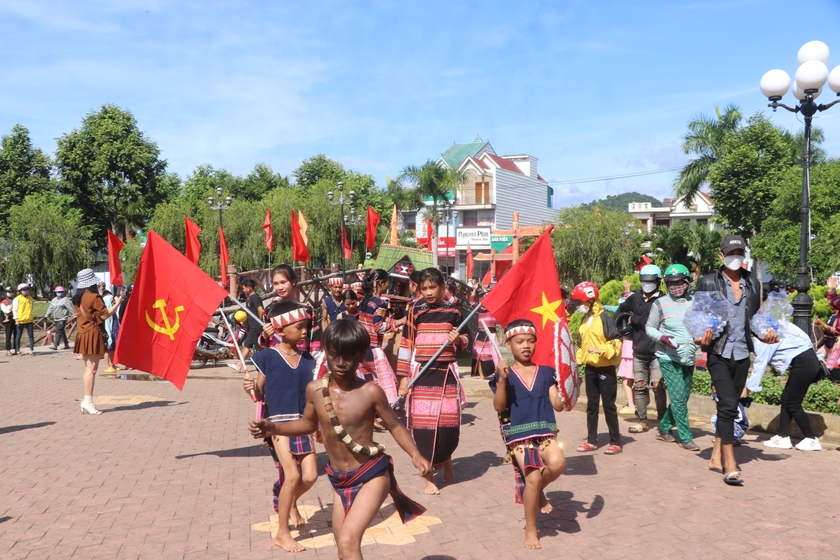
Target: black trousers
point(804, 370)
point(60, 334)
point(601, 385)
point(729, 376)
point(10, 333)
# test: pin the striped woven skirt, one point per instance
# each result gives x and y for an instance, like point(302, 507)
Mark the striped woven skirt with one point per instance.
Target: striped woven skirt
point(434, 412)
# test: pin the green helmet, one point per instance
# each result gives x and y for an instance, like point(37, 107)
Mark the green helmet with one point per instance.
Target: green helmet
point(650, 273)
point(676, 272)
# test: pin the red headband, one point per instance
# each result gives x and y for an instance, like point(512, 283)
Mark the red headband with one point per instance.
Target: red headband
point(289, 317)
point(521, 329)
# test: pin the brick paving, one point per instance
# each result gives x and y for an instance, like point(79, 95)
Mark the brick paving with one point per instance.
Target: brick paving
point(167, 474)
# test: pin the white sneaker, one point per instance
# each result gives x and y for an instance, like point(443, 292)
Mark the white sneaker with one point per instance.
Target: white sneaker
point(779, 442)
point(809, 444)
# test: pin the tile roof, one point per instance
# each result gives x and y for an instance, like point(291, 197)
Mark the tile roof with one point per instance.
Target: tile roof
point(505, 164)
point(457, 153)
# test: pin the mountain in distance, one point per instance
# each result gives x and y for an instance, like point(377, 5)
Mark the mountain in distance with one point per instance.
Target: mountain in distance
point(620, 201)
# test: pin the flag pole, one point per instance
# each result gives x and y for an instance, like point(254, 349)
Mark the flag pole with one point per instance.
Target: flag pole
point(441, 349)
point(238, 353)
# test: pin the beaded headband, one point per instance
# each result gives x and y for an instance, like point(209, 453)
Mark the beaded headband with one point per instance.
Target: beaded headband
point(336, 282)
point(521, 329)
point(356, 285)
point(289, 317)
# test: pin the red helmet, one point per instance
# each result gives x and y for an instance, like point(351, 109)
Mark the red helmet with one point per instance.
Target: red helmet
point(585, 292)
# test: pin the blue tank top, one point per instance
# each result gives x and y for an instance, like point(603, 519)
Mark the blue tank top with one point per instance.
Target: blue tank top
point(285, 386)
point(333, 308)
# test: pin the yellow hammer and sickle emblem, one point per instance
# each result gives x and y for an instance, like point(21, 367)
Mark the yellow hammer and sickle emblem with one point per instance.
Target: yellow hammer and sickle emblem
point(167, 328)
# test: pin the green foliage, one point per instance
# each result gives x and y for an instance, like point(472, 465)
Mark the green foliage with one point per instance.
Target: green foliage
point(688, 244)
point(112, 171)
point(318, 168)
point(619, 202)
point(24, 170)
point(46, 238)
point(595, 245)
point(130, 258)
point(744, 180)
point(821, 397)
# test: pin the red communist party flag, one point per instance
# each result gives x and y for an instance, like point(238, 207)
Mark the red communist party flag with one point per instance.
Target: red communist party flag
point(193, 245)
point(530, 290)
point(373, 220)
point(299, 250)
point(115, 245)
point(269, 237)
point(470, 261)
point(168, 310)
point(224, 257)
point(348, 253)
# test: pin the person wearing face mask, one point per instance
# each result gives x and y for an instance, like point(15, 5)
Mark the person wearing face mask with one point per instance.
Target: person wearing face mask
point(600, 352)
point(729, 352)
point(676, 352)
point(22, 307)
point(8, 321)
point(646, 372)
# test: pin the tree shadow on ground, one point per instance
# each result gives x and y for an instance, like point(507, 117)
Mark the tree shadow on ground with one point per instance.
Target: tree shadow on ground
point(250, 451)
point(142, 406)
point(10, 429)
point(563, 518)
point(472, 467)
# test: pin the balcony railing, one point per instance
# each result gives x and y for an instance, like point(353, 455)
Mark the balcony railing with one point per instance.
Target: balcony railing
point(470, 197)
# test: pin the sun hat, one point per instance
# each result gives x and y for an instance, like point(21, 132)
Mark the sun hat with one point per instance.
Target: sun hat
point(85, 279)
point(23, 286)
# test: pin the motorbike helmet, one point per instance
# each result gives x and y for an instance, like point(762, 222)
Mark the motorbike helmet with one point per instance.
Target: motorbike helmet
point(650, 273)
point(676, 272)
point(240, 316)
point(585, 292)
point(59, 289)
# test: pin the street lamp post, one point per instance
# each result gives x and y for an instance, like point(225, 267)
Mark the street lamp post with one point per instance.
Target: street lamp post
point(221, 206)
point(353, 220)
point(341, 200)
point(808, 82)
point(448, 217)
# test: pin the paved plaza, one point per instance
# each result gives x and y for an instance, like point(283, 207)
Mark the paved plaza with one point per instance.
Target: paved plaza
point(166, 474)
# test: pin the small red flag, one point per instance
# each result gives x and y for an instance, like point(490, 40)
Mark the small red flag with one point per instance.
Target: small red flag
point(115, 245)
point(530, 290)
point(193, 245)
point(299, 250)
point(373, 220)
point(429, 236)
point(224, 257)
point(470, 261)
point(167, 313)
point(348, 253)
point(269, 237)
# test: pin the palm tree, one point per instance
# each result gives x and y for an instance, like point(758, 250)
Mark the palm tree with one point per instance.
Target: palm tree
point(705, 137)
point(435, 182)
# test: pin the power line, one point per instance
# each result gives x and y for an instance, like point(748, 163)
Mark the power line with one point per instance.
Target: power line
point(611, 177)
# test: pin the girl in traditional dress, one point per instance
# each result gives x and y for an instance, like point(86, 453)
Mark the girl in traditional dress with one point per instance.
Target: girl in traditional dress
point(434, 404)
point(483, 362)
point(90, 338)
point(372, 316)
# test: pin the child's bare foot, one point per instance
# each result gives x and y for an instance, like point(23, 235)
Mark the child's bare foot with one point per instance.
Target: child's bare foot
point(545, 505)
point(531, 539)
point(431, 488)
point(296, 519)
point(448, 471)
point(284, 540)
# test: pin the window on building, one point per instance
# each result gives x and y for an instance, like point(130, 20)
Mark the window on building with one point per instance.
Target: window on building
point(470, 218)
point(482, 192)
point(662, 222)
point(704, 223)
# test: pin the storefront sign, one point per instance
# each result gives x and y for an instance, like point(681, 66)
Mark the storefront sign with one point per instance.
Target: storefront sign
point(477, 237)
point(500, 242)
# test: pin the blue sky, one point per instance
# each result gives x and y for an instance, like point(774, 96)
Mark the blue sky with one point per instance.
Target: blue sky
point(592, 89)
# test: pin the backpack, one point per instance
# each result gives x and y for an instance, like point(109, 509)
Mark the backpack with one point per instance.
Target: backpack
point(608, 324)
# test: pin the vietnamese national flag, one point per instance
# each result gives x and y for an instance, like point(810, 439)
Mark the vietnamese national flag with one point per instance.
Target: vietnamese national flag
point(115, 245)
point(168, 310)
point(269, 237)
point(470, 261)
point(193, 245)
point(373, 220)
point(348, 253)
point(299, 250)
point(530, 290)
point(224, 257)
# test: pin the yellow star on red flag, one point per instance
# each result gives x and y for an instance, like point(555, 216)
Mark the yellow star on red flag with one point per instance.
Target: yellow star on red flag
point(548, 310)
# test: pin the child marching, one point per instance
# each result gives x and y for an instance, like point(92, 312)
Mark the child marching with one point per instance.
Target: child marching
point(526, 397)
point(284, 372)
point(434, 405)
point(344, 407)
point(483, 361)
point(373, 317)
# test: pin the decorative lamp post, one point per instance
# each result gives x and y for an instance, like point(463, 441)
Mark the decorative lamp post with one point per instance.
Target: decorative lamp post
point(808, 82)
point(353, 220)
point(448, 217)
point(221, 206)
point(341, 200)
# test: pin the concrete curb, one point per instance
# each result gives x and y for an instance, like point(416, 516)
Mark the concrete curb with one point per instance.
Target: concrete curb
point(763, 417)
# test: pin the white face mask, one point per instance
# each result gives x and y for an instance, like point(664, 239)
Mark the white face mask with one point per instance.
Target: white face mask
point(649, 287)
point(733, 262)
point(583, 309)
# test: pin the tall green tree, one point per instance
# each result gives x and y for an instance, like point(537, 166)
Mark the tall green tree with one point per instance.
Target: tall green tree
point(259, 182)
point(318, 168)
point(113, 172)
point(24, 170)
point(597, 245)
point(47, 239)
point(706, 139)
point(205, 181)
point(688, 244)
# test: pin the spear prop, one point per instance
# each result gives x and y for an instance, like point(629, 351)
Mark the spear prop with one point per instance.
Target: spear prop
point(239, 354)
point(440, 350)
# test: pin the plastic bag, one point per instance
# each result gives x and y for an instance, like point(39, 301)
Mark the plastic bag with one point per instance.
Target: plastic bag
point(774, 314)
point(709, 310)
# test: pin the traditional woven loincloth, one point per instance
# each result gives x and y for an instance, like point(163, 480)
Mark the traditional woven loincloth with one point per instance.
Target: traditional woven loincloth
point(532, 460)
